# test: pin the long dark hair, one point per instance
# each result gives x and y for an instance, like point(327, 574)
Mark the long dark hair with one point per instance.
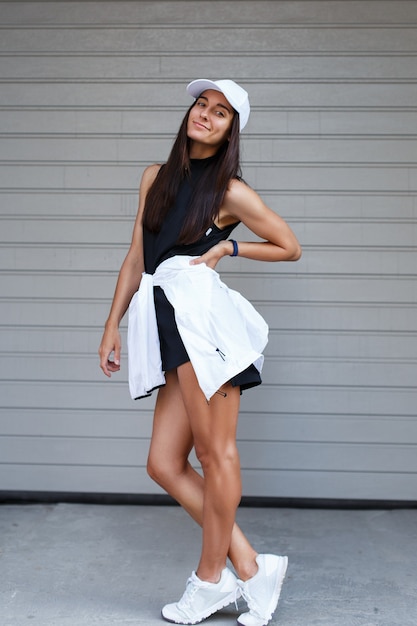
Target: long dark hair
point(207, 197)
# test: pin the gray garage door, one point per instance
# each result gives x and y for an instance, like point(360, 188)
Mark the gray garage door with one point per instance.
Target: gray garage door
point(92, 92)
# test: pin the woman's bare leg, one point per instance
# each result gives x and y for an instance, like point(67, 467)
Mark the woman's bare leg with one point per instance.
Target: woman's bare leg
point(214, 432)
point(172, 441)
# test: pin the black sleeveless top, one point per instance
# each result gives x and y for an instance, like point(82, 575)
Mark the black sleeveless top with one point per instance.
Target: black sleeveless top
point(163, 245)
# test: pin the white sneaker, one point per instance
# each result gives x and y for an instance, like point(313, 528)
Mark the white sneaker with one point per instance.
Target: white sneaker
point(202, 598)
point(261, 592)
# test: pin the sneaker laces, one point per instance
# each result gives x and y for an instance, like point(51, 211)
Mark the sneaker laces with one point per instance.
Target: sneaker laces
point(238, 594)
point(190, 590)
point(250, 600)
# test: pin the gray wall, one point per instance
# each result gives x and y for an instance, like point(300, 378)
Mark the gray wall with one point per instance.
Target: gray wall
point(90, 93)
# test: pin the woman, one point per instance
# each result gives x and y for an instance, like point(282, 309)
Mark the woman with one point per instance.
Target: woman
point(187, 210)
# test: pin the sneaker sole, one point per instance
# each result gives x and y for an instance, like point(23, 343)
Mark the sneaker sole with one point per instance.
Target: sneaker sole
point(220, 605)
point(280, 575)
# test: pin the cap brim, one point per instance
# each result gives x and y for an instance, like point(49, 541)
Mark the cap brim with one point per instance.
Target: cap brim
point(196, 87)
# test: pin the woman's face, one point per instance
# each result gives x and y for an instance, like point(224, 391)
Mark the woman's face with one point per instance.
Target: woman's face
point(210, 121)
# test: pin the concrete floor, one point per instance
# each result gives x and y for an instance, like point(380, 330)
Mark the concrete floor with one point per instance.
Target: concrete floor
point(81, 564)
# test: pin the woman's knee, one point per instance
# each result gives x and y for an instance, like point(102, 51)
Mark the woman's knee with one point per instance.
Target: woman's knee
point(157, 468)
point(163, 470)
point(217, 458)
point(154, 469)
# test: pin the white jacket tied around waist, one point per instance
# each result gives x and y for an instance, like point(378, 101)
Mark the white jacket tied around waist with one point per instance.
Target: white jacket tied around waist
point(221, 331)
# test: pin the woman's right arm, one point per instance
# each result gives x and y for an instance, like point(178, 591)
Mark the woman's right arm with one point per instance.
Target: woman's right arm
point(127, 283)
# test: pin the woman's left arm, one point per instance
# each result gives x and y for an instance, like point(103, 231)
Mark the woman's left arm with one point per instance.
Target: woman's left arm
point(243, 204)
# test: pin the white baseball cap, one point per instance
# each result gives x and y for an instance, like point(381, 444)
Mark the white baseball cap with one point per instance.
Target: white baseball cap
point(234, 93)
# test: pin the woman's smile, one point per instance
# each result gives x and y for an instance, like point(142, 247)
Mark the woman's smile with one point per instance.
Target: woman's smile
point(200, 125)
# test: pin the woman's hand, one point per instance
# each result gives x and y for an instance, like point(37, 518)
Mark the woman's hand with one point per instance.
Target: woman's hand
point(213, 256)
point(110, 343)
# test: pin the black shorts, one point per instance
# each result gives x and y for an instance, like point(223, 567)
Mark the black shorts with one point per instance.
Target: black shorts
point(173, 352)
